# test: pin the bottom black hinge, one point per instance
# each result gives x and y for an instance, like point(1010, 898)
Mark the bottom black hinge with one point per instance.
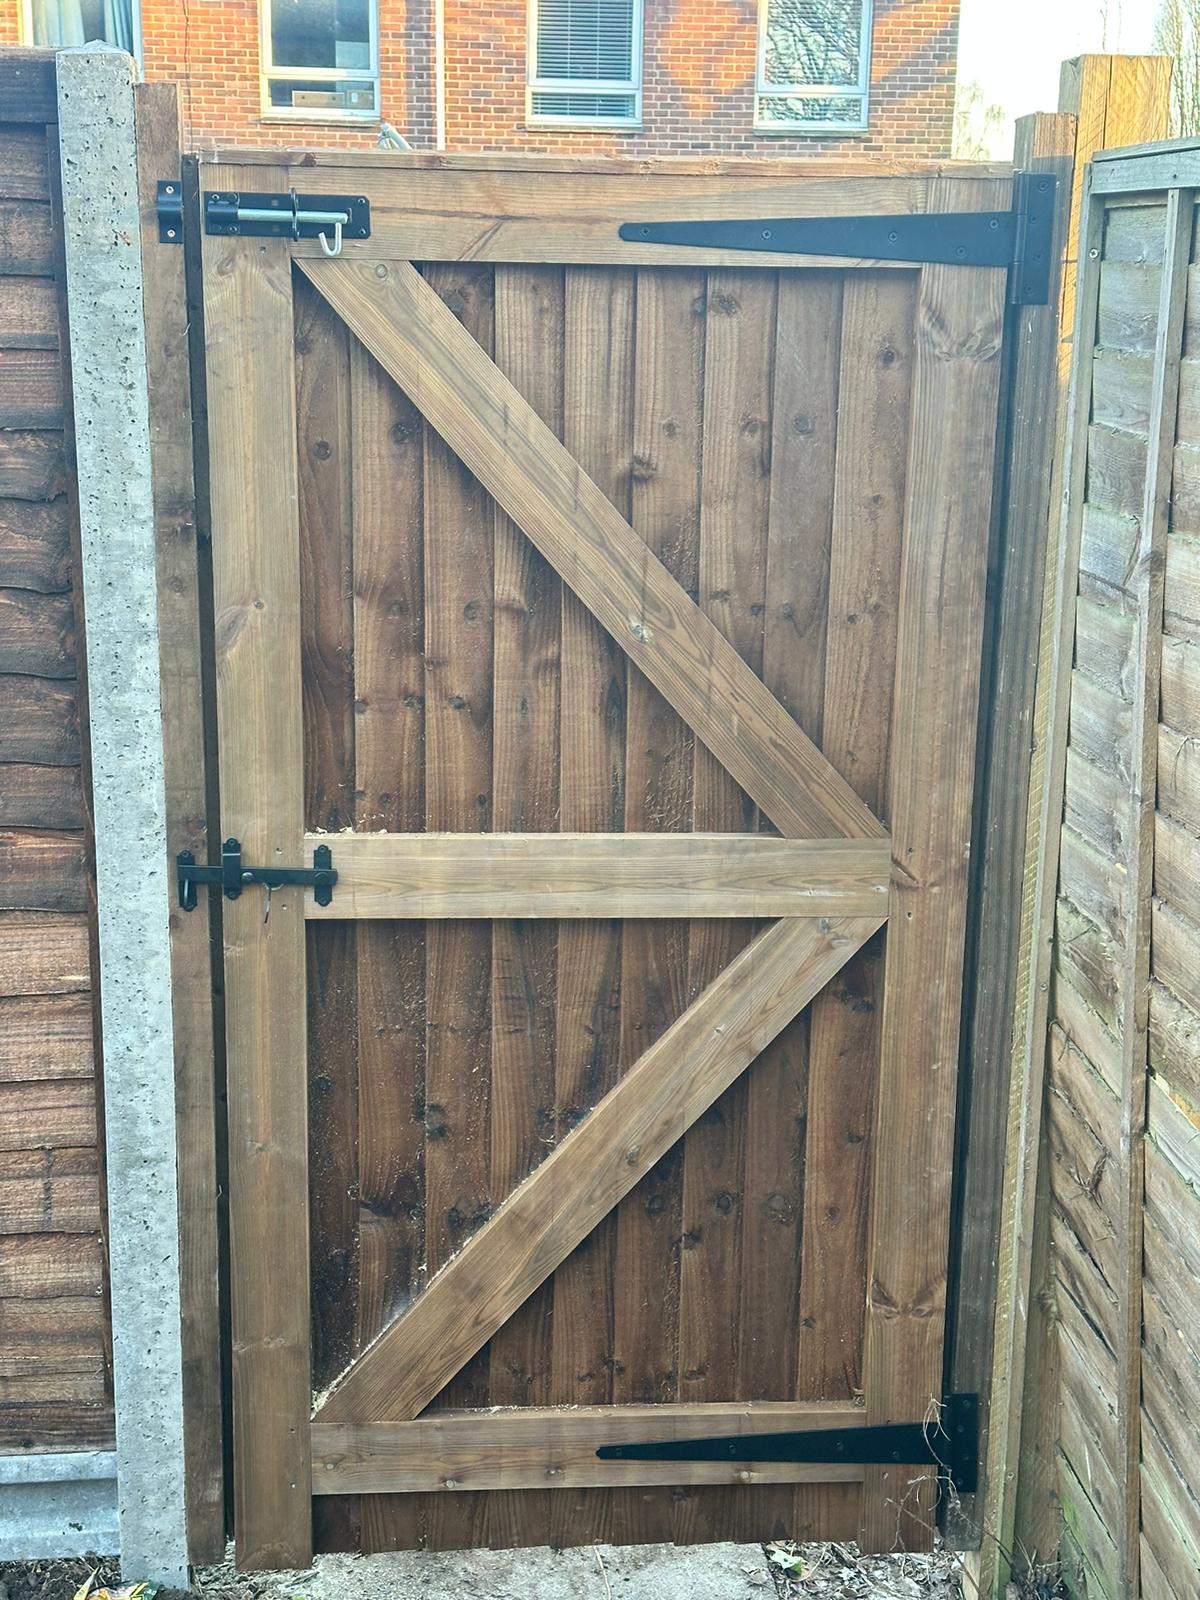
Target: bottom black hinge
point(950, 1442)
point(233, 876)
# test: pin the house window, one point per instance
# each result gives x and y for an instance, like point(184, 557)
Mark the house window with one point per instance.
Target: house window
point(585, 62)
point(814, 62)
point(54, 23)
point(320, 60)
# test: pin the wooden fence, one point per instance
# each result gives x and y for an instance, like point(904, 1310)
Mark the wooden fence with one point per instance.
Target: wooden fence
point(1123, 1108)
point(55, 1385)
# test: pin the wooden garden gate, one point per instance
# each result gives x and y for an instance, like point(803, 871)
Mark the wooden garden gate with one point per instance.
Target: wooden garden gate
point(612, 611)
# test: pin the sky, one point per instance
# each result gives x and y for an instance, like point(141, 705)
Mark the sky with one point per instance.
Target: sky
point(1013, 48)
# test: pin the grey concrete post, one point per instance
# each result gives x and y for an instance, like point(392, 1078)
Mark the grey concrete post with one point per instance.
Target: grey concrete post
point(112, 435)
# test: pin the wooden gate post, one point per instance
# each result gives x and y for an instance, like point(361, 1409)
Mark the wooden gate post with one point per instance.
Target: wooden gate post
point(1114, 101)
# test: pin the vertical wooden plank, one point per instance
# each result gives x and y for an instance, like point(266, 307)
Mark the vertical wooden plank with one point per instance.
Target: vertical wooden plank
point(959, 323)
point(256, 575)
point(598, 378)
point(1145, 583)
point(804, 425)
point(668, 379)
point(869, 477)
point(980, 1319)
point(734, 511)
point(326, 638)
point(185, 770)
point(389, 702)
point(525, 768)
point(458, 799)
point(597, 423)
point(459, 517)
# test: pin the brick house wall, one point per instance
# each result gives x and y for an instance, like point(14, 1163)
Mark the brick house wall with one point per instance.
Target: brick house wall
point(698, 96)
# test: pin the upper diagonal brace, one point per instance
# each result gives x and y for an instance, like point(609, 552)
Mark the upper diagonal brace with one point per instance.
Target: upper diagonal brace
point(594, 1167)
point(533, 477)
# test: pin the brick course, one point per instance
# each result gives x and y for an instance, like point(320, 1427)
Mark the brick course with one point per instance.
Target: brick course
point(698, 94)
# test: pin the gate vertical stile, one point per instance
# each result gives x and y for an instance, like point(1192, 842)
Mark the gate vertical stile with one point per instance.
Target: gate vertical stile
point(256, 590)
point(952, 435)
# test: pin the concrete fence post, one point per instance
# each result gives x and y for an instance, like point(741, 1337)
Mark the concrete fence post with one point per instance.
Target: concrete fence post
point(116, 513)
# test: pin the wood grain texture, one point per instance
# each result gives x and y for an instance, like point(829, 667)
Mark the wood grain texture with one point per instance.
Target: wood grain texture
point(538, 483)
point(1148, 586)
point(252, 433)
point(874, 394)
point(540, 211)
point(984, 1323)
point(35, 545)
point(42, 870)
point(598, 348)
point(45, 1036)
point(532, 1448)
point(43, 953)
point(29, 86)
point(532, 1232)
point(739, 337)
point(459, 612)
point(668, 362)
point(386, 451)
point(955, 386)
point(527, 661)
point(186, 759)
point(581, 875)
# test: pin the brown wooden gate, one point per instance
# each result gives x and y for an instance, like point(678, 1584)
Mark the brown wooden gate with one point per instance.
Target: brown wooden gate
point(613, 611)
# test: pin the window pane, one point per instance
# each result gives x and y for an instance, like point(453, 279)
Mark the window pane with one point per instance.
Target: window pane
point(585, 39)
point(847, 112)
point(814, 41)
point(319, 99)
point(67, 22)
point(321, 33)
point(585, 107)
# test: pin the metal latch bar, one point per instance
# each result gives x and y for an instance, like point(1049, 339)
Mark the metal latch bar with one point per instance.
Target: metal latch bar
point(950, 1442)
point(233, 876)
point(270, 215)
point(1020, 238)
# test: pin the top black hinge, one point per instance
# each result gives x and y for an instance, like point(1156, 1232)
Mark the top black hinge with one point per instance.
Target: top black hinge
point(1021, 239)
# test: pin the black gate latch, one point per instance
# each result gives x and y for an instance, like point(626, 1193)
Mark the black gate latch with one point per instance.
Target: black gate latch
point(233, 876)
point(1021, 239)
point(951, 1443)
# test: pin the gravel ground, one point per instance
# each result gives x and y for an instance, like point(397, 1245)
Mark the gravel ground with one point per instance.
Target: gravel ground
point(648, 1572)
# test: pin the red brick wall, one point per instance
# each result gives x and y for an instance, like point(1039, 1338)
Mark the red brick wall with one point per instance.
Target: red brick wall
point(698, 94)
point(698, 97)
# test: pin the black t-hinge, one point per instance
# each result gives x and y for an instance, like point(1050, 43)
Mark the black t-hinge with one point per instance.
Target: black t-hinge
point(1020, 239)
point(950, 1442)
point(233, 877)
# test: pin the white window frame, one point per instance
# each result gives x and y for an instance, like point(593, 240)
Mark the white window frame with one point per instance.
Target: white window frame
point(810, 91)
point(269, 72)
point(26, 27)
point(631, 85)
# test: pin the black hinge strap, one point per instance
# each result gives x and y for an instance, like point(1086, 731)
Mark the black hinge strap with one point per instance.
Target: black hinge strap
point(951, 1443)
point(233, 876)
point(1020, 239)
